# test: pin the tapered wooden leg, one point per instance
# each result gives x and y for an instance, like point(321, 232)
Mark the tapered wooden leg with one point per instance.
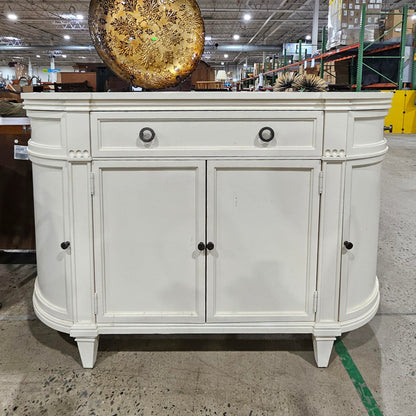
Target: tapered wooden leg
point(87, 347)
point(322, 347)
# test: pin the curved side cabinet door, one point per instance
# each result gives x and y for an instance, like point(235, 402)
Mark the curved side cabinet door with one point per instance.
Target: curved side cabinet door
point(359, 286)
point(51, 221)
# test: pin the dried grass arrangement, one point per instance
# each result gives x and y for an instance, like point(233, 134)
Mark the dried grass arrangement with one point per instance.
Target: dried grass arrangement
point(291, 81)
point(286, 82)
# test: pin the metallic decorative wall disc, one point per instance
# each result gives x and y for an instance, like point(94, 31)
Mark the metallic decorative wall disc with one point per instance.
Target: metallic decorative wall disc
point(152, 43)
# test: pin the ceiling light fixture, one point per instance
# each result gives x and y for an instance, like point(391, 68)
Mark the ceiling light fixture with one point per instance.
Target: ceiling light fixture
point(244, 65)
point(80, 17)
point(67, 37)
point(247, 17)
point(12, 16)
point(226, 55)
point(236, 37)
point(308, 37)
point(208, 38)
point(222, 63)
point(37, 56)
point(63, 56)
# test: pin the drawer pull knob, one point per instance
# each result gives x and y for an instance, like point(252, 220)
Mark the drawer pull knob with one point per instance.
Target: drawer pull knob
point(147, 134)
point(210, 246)
point(348, 245)
point(201, 246)
point(266, 134)
point(65, 245)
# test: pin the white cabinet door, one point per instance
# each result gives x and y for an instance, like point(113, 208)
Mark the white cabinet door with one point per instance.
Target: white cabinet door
point(262, 217)
point(149, 217)
point(359, 286)
point(52, 213)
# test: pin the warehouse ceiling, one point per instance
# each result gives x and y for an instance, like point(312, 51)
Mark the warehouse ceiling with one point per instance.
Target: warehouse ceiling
point(41, 25)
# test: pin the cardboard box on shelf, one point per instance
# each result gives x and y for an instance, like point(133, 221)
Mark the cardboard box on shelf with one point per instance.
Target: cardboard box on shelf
point(312, 71)
point(329, 73)
point(395, 20)
point(344, 19)
point(337, 72)
point(342, 72)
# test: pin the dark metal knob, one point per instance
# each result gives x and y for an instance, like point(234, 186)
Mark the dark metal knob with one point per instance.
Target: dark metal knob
point(266, 134)
point(65, 245)
point(348, 245)
point(210, 246)
point(147, 134)
point(201, 246)
point(389, 128)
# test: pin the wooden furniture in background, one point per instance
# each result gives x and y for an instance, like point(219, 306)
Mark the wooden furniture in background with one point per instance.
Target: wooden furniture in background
point(17, 230)
point(78, 77)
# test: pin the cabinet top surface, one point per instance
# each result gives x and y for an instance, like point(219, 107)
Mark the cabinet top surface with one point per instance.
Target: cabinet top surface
point(210, 100)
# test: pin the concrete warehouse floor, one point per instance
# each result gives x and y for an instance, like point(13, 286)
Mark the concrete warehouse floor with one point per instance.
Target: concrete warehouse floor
point(40, 371)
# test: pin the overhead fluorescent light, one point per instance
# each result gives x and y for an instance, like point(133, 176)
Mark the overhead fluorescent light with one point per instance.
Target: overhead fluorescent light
point(67, 37)
point(208, 38)
point(12, 16)
point(247, 17)
point(236, 37)
point(71, 16)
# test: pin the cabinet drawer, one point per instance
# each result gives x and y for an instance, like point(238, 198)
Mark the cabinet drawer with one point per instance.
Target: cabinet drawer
point(207, 133)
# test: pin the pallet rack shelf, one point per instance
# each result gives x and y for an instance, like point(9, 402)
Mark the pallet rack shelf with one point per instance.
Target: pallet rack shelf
point(360, 52)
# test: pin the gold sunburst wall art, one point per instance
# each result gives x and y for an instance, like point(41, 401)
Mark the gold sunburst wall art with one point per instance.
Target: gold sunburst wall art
point(151, 43)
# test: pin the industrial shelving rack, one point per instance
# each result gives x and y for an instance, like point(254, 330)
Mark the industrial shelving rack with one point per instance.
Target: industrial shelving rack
point(357, 53)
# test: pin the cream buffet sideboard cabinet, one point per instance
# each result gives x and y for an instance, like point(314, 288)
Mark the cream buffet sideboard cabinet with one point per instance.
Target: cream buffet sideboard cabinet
point(206, 213)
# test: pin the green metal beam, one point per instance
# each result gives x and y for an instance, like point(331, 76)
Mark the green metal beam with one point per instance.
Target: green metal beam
point(403, 46)
point(381, 57)
point(361, 49)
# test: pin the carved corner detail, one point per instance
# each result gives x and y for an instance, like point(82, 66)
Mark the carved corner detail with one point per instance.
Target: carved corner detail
point(78, 155)
point(334, 153)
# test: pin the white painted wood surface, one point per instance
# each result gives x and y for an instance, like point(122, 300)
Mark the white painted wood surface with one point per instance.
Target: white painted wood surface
point(143, 273)
point(277, 213)
point(257, 272)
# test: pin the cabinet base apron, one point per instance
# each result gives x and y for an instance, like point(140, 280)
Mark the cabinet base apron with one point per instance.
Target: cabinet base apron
point(87, 336)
